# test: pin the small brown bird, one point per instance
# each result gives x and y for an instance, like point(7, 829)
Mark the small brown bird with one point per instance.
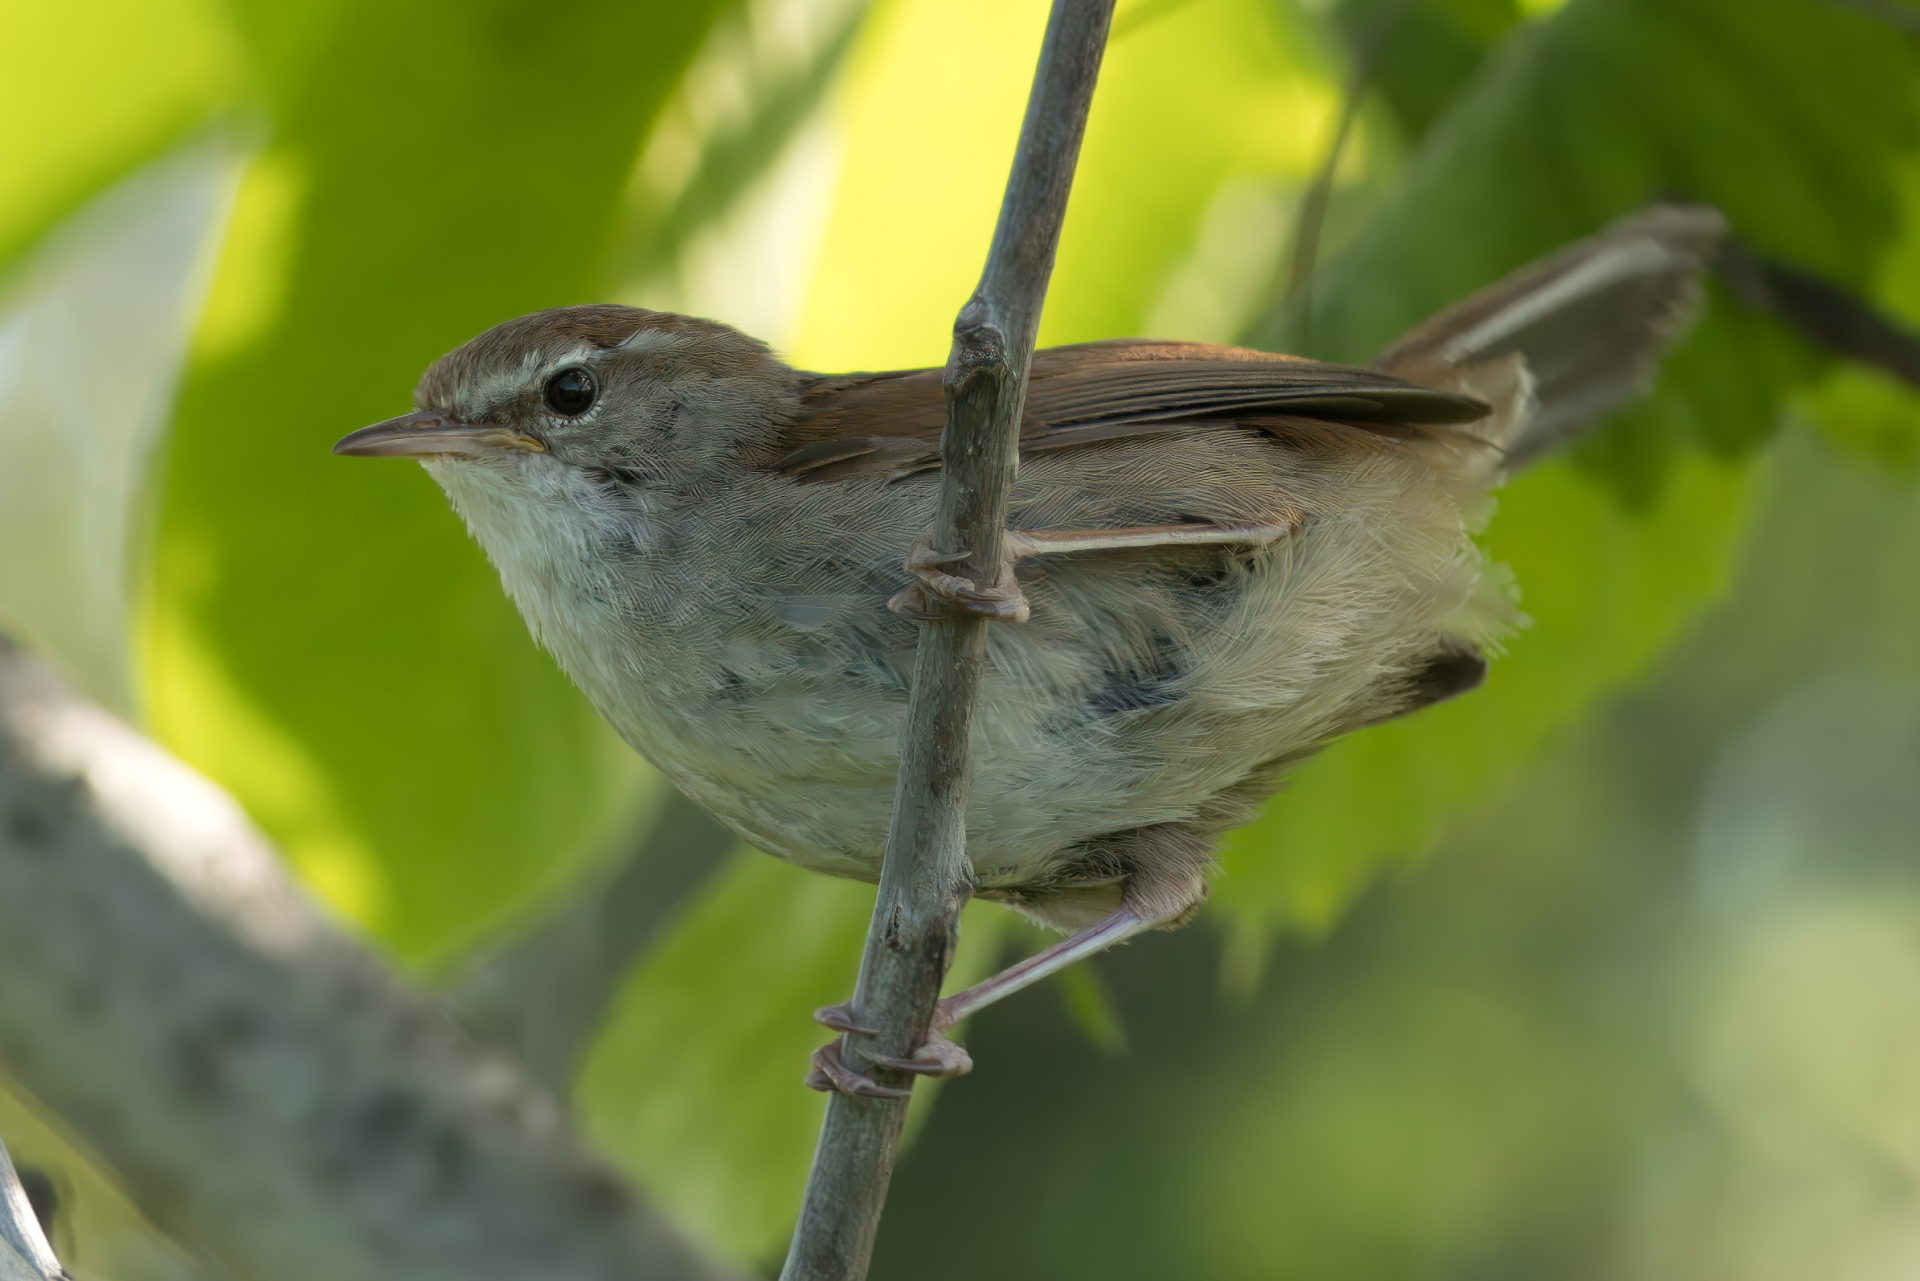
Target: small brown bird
point(1221, 560)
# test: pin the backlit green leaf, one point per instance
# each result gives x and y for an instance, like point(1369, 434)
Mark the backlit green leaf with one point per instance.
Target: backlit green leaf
point(324, 639)
point(90, 91)
point(1792, 117)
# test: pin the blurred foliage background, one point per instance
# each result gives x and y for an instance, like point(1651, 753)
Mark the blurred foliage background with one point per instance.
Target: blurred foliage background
point(1636, 995)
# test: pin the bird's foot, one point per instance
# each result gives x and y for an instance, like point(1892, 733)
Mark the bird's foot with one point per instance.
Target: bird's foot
point(937, 1056)
point(936, 594)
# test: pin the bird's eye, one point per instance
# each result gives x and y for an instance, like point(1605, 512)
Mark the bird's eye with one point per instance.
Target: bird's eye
point(571, 392)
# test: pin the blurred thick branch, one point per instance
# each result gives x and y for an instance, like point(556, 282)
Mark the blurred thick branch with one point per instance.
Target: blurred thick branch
point(262, 1085)
point(926, 878)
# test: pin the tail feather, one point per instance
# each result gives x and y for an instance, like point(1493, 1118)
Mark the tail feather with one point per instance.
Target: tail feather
point(1560, 343)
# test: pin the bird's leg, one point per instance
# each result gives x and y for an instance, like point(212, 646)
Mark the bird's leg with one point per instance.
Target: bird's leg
point(937, 1055)
point(1162, 871)
point(1095, 938)
point(936, 593)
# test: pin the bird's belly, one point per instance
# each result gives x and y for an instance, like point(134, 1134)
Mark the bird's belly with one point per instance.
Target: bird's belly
point(810, 777)
point(1148, 686)
point(1079, 736)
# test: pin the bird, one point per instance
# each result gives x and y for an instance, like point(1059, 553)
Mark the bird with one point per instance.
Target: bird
point(1219, 560)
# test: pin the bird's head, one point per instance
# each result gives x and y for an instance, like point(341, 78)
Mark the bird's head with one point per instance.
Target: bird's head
point(590, 389)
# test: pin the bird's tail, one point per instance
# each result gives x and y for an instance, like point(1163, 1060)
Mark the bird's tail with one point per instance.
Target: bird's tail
point(1570, 338)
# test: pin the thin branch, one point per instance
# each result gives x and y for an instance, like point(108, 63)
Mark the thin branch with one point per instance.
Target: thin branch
point(541, 995)
point(1303, 256)
point(24, 1252)
point(1820, 311)
point(265, 1090)
point(926, 878)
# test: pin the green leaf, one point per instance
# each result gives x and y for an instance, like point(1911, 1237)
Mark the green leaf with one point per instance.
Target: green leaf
point(1787, 114)
point(1868, 414)
point(1205, 119)
point(324, 639)
point(1205, 124)
point(783, 81)
point(1791, 116)
point(1090, 1004)
point(1423, 52)
point(82, 113)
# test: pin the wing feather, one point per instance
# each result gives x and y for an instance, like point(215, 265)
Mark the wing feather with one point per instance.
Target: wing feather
point(888, 424)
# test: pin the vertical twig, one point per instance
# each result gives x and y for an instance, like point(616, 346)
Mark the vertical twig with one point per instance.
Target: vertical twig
point(24, 1252)
point(926, 878)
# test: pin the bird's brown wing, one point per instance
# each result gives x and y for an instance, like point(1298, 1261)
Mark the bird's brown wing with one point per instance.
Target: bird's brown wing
point(888, 424)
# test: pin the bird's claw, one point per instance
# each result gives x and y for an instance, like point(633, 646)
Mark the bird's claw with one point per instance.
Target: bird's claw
point(937, 594)
point(938, 1055)
point(830, 1073)
point(840, 1019)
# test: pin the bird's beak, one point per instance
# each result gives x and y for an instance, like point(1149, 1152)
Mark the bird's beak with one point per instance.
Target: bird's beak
point(427, 432)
